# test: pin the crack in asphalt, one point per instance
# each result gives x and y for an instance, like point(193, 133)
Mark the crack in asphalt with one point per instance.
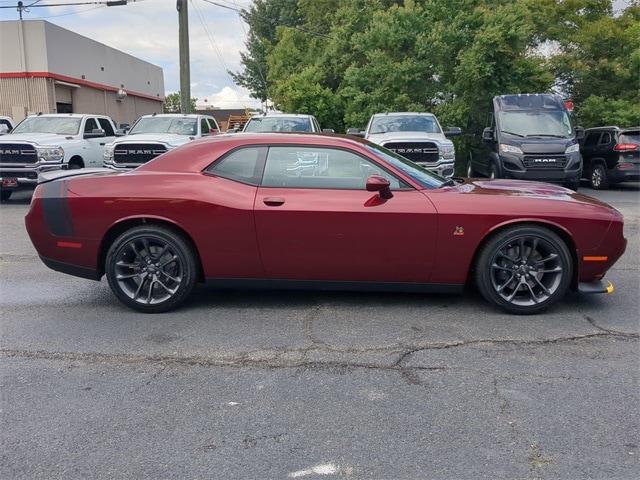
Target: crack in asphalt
point(296, 358)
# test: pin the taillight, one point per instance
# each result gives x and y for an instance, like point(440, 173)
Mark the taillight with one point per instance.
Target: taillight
point(626, 147)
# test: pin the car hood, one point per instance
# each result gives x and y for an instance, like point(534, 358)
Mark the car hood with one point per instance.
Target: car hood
point(527, 189)
point(381, 138)
point(168, 138)
point(37, 138)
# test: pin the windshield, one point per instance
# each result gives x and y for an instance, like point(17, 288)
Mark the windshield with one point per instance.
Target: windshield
point(536, 123)
point(404, 123)
point(421, 175)
point(178, 126)
point(57, 125)
point(278, 124)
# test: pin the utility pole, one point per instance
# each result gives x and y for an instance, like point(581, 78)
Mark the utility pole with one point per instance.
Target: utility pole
point(183, 40)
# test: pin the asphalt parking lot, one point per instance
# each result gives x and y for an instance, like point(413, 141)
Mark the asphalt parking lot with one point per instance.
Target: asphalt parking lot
point(254, 384)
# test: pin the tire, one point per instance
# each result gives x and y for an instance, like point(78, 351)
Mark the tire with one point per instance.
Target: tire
point(528, 288)
point(599, 179)
point(151, 269)
point(471, 173)
point(493, 173)
point(5, 195)
point(75, 164)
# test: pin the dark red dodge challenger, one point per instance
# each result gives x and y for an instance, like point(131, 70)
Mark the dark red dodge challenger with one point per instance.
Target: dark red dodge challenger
point(316, 211)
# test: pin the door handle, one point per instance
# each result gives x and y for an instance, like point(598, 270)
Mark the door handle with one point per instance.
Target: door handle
point(273, 201)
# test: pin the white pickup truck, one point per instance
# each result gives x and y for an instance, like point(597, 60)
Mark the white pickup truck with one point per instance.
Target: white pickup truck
point(51, 142)
point(6, 125)
point(416, 136)
point(155, 134)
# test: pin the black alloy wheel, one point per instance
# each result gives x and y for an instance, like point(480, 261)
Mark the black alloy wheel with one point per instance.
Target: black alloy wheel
point(524, 269)
point(5, 195)
point(599, 180)
point(151, 269)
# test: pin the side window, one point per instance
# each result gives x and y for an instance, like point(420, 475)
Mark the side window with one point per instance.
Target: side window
point(592, 139)
point(213, 125)
point(106, 126)
point(307, 167)
point(90, 125)
point(243, 165)
point(204, 126)
point(316, 124)
point(606, 138)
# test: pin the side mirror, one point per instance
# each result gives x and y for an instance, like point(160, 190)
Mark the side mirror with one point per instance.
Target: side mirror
point(121, 132)
point(377, 183)
point(579, 133)
point(95, 133)
point(356, 132)
point(4, 129)
point(488, 135)
point(328, 130)
point(453, 132)
point(232, 130)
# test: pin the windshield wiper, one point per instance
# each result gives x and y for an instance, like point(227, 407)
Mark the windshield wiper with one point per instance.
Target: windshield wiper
point(546, 135)
point(513, 133)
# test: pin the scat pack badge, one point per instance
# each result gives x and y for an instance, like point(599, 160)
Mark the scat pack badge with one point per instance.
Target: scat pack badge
point(458, 232)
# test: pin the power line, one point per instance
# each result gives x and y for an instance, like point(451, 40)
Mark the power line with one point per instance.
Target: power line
point(210, 36)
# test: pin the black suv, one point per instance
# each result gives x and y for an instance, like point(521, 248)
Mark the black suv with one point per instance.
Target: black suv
point(611, 155)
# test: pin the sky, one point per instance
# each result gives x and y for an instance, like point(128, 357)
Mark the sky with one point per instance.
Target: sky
point(148, 29)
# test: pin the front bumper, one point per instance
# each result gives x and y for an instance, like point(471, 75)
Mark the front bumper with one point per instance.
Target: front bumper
point(513, 167)
point(443, 167)
point(120, 167)
point(599, 286)
point(26, 176)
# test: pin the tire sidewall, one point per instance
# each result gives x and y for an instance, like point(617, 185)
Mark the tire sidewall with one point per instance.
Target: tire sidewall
point(483, 268)
point(181, 248)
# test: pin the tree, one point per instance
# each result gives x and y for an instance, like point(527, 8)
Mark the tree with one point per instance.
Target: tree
point(263, 18)
point(172, 103)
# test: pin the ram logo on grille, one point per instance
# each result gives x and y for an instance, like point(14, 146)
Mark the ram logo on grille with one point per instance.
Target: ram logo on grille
point(15, 152)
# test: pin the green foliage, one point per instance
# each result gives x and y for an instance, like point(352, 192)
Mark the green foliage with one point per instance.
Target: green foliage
point(343, 60)
point(172, 103)
point(597, 111)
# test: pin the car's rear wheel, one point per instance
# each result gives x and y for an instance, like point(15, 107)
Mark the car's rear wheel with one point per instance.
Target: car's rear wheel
point(599, 179)
point(5, 195)
point(524, 269)
point(151, 269)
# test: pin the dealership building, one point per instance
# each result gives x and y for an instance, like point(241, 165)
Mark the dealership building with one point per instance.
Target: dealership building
point(46, 68)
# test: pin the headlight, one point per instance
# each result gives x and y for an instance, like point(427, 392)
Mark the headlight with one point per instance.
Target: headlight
point(107, 156)
point(510, 149)
point(447, 151)
point(572, 148)
point(50, 154)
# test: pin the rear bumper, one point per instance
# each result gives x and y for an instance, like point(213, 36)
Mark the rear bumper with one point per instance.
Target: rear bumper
point(75, 270)
point(618, 175)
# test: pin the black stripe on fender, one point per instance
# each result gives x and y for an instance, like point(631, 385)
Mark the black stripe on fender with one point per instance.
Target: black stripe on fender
point(55, 208)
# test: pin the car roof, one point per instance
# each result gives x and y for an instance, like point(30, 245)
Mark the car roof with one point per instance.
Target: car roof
point(201, 152)
point(274, 114)
point(609, 127)
point(185, 115)
point(427, 114)
point(70, 115)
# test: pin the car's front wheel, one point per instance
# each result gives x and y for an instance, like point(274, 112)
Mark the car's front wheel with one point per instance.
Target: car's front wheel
point(151, 269)
point(524, 269)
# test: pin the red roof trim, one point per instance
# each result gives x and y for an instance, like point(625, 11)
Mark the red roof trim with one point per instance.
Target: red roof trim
point(79, 81)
